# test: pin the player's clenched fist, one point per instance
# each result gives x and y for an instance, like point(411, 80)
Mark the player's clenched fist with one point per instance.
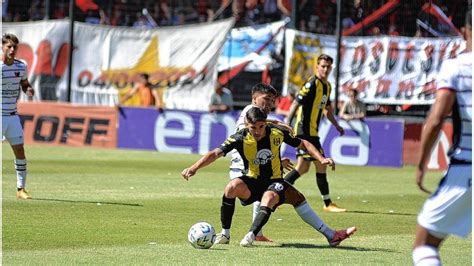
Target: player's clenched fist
point(187, 173)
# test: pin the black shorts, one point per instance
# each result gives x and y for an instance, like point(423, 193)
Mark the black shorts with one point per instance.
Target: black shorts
point(256, 189)
point(280, 186)
point(315, 142)
point(286, 192)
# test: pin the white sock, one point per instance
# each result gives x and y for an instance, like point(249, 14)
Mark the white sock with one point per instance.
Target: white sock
point(20, 167)
point(311, 218)
point(226, 232)
point(426, 255)
point(256, 208)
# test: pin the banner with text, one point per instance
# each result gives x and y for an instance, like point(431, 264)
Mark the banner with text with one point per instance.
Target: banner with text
point(68, 124)
point(384, 69)
point(182, 61)
point(373, 142)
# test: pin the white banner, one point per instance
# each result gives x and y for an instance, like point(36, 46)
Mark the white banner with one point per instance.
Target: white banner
point(255, 44)
point(106, 60)
point(384, 69)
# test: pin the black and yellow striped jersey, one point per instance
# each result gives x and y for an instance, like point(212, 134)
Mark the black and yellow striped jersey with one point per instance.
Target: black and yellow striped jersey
point(261, 158)
point(313, 98)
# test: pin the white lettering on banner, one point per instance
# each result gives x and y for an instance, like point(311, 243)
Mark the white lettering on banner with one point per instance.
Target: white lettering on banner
point(189, 127)
point(384, 70)
point(361, 142)
point(162, 132)
point(205, 129)
point(434, 158)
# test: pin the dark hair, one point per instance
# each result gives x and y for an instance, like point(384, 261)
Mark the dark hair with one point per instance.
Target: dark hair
point(9, 37)
point(264, 88)
point(144, 75)
point(325, 57)
point(254, 115)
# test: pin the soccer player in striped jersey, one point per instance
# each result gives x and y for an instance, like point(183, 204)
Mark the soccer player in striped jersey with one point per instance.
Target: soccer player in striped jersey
point(309, 106)
point(263, 96)
point(449, 210)
point(13, 79)
point(259, 146)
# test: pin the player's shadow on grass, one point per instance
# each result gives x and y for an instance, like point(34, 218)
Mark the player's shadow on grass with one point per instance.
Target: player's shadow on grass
point(387, 213)
point(92, 202)
point(304, 245)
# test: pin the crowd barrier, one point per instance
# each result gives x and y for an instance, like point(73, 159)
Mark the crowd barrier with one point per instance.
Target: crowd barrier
point(373, 142)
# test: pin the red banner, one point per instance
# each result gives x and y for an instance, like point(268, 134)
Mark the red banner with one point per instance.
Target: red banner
point(67, 124)
point(411, 146)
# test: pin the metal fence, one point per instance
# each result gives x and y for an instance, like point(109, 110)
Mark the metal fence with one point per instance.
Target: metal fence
point(375, 17)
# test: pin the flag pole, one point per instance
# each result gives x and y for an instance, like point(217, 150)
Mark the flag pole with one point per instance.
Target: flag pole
point(338, 54)
point(71, 48)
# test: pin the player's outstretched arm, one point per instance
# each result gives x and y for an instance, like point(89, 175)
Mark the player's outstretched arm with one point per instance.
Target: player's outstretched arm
point(441, 108)
point(332, 119)
point(292, 112)
point(205, 160)
point(316, 154)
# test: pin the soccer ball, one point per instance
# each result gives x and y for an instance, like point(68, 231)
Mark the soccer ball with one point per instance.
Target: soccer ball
point(201, 235)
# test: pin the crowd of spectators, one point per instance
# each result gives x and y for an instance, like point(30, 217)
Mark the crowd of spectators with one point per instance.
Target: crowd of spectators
point(318, 16)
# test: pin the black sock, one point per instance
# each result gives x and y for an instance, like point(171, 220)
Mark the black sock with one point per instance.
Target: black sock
point(323, 186)
point(261, 219)
point(292, 176)
point(227, 211)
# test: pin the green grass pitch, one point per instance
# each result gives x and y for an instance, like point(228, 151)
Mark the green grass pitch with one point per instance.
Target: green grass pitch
point(127, 207)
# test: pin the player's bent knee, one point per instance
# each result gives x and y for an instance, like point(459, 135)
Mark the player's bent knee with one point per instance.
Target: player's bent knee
point(269, 199)
point(235, 188)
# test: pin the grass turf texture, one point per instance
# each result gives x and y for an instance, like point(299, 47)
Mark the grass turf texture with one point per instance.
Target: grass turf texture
point(99, 206)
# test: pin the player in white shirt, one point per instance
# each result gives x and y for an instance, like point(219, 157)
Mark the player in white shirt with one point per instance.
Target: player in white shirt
point(13, 78)
point(449, 210)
